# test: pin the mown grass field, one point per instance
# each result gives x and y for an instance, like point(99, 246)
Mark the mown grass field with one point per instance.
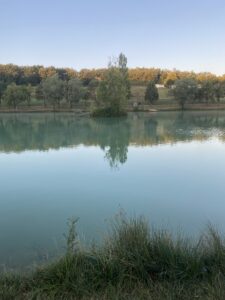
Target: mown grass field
point(138, 94)
point(166, 100)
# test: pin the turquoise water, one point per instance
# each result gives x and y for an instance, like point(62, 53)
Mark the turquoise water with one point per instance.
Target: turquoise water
point(169, 167)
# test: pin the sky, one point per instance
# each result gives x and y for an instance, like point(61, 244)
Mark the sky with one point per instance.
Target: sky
point(181, 34)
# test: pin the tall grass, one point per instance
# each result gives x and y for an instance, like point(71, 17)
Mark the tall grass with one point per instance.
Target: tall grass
point(134, 262)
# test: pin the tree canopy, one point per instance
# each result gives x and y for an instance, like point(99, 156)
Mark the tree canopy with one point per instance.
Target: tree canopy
point(113, 91)
point(185, 90)
point(53, 90)
point(151, 93)
point(16, 94)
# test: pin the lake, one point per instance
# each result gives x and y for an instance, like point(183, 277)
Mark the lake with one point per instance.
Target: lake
point(168, 166)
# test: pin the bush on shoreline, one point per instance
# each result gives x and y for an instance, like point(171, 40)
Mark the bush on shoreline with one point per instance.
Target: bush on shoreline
point(134, 262)
point(107, 113)
point(114, 91)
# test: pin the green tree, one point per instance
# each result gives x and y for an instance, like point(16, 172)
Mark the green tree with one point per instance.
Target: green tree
point(170, 79)
point(16, 94)
point(10, 95)
point(219, 90)
point(211, 90)
point(208, 91)
point(91, 89)
point(25, 93)
point(39, 94)
point(122, 63)
point(74, 91)
point(2, 90)
point(112, 92)
point(185, 90)
point(53, 90)
point(151, 93)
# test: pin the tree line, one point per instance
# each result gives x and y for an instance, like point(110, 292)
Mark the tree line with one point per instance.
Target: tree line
point(24, 75)
point(52, 91)
point(189, 90)
point(109, 87)
point(110, 94)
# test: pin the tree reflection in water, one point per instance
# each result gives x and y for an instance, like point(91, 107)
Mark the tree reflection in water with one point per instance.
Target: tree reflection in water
point(20, 132)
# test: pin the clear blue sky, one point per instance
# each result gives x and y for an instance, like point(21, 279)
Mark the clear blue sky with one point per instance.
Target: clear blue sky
point(182, 34)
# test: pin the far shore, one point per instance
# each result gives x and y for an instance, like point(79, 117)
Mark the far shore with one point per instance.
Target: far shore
point(85, 111)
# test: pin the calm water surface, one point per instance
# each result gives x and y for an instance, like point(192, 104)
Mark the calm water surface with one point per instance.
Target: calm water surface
point(169, 167)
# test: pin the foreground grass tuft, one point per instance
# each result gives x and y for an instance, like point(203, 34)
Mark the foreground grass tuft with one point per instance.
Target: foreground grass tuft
point(134, 262)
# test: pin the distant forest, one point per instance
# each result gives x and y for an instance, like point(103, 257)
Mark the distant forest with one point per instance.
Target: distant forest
point(38, 85)
point(33, 75)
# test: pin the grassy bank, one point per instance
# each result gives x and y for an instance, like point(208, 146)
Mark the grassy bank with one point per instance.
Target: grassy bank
point(134, 262)
point(161, 106)
point(166, 102)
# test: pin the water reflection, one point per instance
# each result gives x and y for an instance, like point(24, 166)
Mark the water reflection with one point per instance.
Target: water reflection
point(53, 131)
point(182, 185)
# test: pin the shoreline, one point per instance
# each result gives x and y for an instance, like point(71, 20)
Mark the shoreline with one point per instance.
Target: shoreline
point(142, 108)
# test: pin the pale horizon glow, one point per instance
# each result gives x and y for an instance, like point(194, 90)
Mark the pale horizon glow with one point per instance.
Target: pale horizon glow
point(185, 35)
